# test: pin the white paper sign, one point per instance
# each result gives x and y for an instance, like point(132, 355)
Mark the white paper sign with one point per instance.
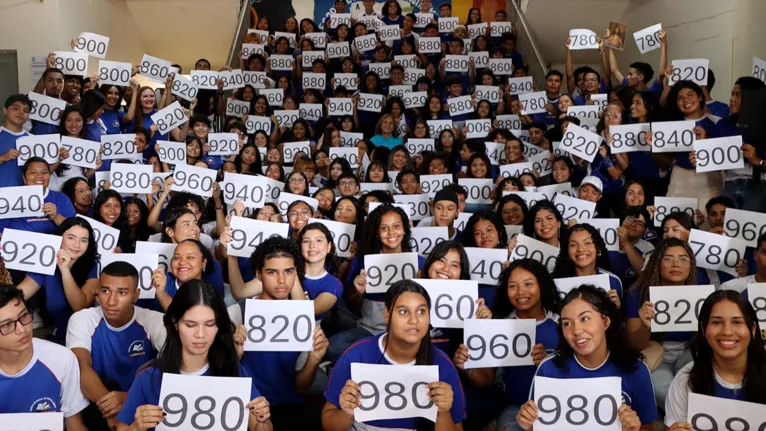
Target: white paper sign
point(247, 234)
point(164, 252)
point(582, 39)
point(447, 25)
point(460, 105)
point(371, 102)
point(389, 33)
point(45, 146)
point(486, 264)
point(429, 45)
point(694, 70)
point(437, 126)
point(510, 122)
point(314, 80)
point(648, 39)
point(498, 28)
point(350, 139)
point(745, 225)
point(565, 285)
point(627, 138)
point(417, 206)
point(106, 237)
point(479, 189)
point(478, 128)
point(92, 44)
point(45, 109)
point(30, 251)
point(114, 72)
point(337, 19)
point(249, 49)
point(274, 96)
point(475, 30)
point(184, 88)
point(365, 43)
point(198, 181)
point(499, 342)
point(718, 252)
point(383, 270)
point(350, 154)
point(759, 69)
point(169, 118)
point(279, 326)
point(72, 63)
point(318, 39)
point(756, 293)
point(225, 398)
point(250, 189)
point(287, 117)
point(415, 100)
point(256, 79)
point(480, 59)
point(129, 178)
point(21, 202)
point(308, 57)
point(411, 76)
point(456, 63)
point(424, 239)
point(501, 66)
point(338, 50)
point(82, 152)
point(530, 198)
point(285, 199)
point(172, 152)
point(709, 413)
point(452, 301)
point(379, 380)
point(666, 206)
point(290, 149)
point(342, 235)
point(581, 143)
point(522, 85)
point(154, 68)
point(430, 184)
point(489, 93)
point(607, 227)
point(573, 208)
point(530, 248)
point(461, 220)
point(677, 308)
point(719, 154)
point(533, 103)
point(552, 190)
point(340, 106)
point(223, 144)
point(515, 170)
point(237, 108)
point(205, 79)
point(541, 162)
point(45, 421)
point(282, 62)
point(145, 264)
point(600, 398)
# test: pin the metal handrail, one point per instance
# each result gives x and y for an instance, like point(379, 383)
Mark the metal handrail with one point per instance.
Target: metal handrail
point(243, 23)
point(527, 46)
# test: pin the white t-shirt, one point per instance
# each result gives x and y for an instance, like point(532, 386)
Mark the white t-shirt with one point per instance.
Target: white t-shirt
point(738, 284)
point(677, 402)
point(83, 324)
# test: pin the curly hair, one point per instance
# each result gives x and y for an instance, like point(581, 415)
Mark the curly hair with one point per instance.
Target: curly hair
point(529, 218)
point(370, 243)
point(497, 221)
point(565, 267)
point(549, 297)
point(650, 276)
point(278, 247)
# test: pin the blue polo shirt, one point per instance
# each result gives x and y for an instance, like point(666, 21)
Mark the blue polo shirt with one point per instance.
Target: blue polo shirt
point(10, 171)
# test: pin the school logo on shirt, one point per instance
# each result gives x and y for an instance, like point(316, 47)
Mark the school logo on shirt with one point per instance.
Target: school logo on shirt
point(43, 405)
point(136, 348)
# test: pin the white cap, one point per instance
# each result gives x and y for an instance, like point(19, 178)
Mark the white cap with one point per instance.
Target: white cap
point(594, 181)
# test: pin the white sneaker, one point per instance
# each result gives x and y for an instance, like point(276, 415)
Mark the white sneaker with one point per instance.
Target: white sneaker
point(37, 321)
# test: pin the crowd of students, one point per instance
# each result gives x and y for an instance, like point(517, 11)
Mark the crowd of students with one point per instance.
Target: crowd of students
point(103, 364)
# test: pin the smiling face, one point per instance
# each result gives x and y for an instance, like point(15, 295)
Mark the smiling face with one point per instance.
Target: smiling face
point(513, 151)
point(391, 232)
point(409, 318)
point(299, 216)
point(634, 196)
point(75, 241)
point(186, 227)
point(74, 123)
point(325, 198)
point(637, 107)
point(584, 329)
point(727, 332)
point(38, 173)
point(133, 213)
point(478, 168)
point(197, 329)
point(675, 266)
point(561, 172)
point(110, 211)
point(689, 102)
point(82, 194)
point(512, 213)
point(485, 235)
point(546, 225)
point(446, 267)
point(148, 99)
point(408, 184)
point(188, 263)
point(523, 290)
point(315, 246)
point(582, 250)
point(345, 212)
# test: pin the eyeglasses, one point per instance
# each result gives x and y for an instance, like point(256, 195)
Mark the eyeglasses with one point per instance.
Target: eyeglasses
point(8, 327)
point(347, 183)
point(670, 260)
point(295, 214)
point(613, 115)
point(448, 137)
point(634, 221)
point(297, 180)
point(590, 80)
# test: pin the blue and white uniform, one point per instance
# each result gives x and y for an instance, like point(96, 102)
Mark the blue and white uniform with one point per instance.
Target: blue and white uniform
point(42, 224)
point(49, 383)
point(325, 283)
point(10, 171)
point(677, 402)
point(117, 353)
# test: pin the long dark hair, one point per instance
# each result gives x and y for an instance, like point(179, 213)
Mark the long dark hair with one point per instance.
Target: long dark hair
point(143, 232)
point(332, 261)
point(206, 254)
point(370, 242)
point(359, 213)
point(564, 265)
point(425, 351)
point(69, 188)
point(255, 168)
point(549, 296)
point(440, 250)
point(101, 199)
point(672, 113)
point(222, 356)
point(491, 217)
point(62, 168)
point(650, 276)
point(701, 376)
point(82, 266)
point(752, 111)
point(529, 219)
point(620, 352)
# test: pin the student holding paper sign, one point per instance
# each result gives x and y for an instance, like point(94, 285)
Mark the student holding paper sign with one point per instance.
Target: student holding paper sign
point(485, 230)
point(201, 341)
point(113, 112)
point(284, 377)
point(35, 375)
point(111, 342)
point(16, 112)
point(527, 291)
point(407, 341)
point(73, 286)
point(586, 254)
point(671, 264)
point(386, 230)
point(72, 125)
point(142, 106)
point(593, 344)
point(728, 358)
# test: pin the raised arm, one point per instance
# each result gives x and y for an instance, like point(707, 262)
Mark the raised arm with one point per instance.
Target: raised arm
point(571, 84)
point(615, 67)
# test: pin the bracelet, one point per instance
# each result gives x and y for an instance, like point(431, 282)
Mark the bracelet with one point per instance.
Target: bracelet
point(218, 208)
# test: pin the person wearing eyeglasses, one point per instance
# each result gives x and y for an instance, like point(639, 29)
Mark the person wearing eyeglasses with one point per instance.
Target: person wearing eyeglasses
point(35, 375)
point(298, 215)
point(629, 259)
point(671, 264)
point(348, 185)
